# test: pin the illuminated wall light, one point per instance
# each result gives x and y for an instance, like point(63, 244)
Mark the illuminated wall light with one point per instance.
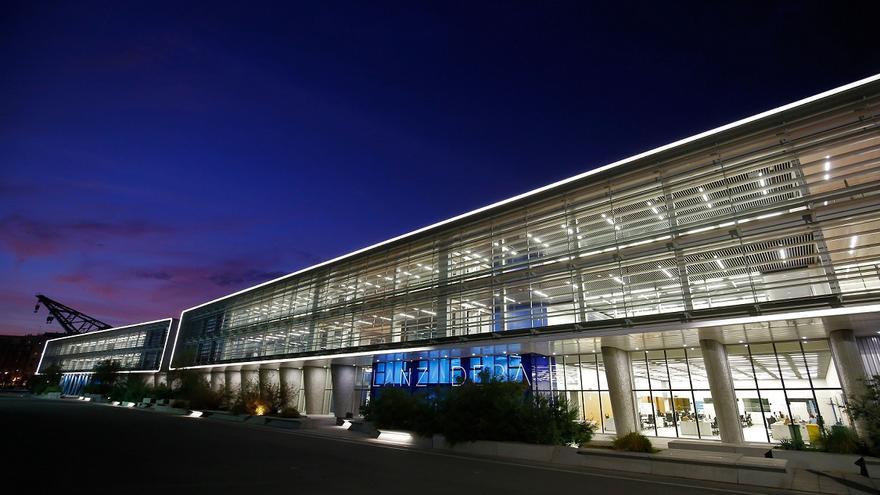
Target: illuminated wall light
point(827, 166)
point(827, 176)
point(618, 280)
point(570, 231)
point(665, 271)
point(720, 263)
point(852, 243)
point(509, 299)
point(394, 436)
point(782, 254)
point(539, 293)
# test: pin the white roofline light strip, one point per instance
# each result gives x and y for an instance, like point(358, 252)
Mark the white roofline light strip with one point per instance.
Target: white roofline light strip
point(562, 182)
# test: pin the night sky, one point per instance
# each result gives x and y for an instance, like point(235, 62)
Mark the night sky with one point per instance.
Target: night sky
point(154, 157)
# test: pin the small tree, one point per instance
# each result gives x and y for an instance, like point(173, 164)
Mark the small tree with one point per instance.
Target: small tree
point(864, 407)
point(48, 380)
point(106, 374)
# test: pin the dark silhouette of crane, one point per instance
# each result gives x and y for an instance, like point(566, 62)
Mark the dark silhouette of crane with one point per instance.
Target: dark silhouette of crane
point(71, 320)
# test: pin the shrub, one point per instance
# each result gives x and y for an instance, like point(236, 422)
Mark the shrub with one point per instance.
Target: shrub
point(105, 378)
point(491, 410)
point(289, 412)
point(162, 391)
point(193, 388)
point(841, 440)
point(48, 381)
point(249, 399)
point(792, 444)
point(398, 409)
point(865, 408)
point(633, 442)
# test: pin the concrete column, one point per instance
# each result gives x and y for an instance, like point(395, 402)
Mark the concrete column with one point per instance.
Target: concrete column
point(218, 380)
point(343, 377)
point(233, 381)
point(292, 383)
point(721, 386)
point(314, 378)
point(849, 366)
point(618, 371)
point(250, 378)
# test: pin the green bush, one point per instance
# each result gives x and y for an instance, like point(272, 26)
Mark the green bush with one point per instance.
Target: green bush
point(491, 410)
point(48, 381)
point(289, 412)
point(633, 442)
point(162, 391)
point(841, 440)
point(792, 444)
point(864, 407)
point(394, 408)
point(193, 388)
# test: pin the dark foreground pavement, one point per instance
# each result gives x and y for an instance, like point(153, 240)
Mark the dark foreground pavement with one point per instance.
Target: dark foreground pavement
point(85, 448)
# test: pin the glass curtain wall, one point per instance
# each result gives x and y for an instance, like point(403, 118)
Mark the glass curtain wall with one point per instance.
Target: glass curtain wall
point(671, 393)
point(783, 385)
point(138, 347)
point(581, 379)
point(787, 211)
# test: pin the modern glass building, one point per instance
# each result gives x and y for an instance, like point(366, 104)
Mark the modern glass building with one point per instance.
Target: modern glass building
point(718, 287)
point(138, 348)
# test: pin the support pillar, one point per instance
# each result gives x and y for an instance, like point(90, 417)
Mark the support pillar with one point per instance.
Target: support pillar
point(343, 377)
point(618, 371)
point(218, 380)
point(292, 383)
point(233, 381)
point(314, 378)
point(849, 366)
point(723, 393)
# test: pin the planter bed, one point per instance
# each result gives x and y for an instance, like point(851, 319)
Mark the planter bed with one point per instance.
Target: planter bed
point(227, 416)
point(288, 423)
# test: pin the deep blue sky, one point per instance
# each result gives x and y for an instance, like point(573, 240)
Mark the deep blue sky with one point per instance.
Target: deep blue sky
point(157, 156)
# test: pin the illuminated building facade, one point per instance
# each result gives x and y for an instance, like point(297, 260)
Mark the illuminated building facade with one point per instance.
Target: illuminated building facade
point(710, 288)
point(138, 348)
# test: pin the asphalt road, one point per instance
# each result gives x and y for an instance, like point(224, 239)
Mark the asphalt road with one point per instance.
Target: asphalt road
point(79, 447)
